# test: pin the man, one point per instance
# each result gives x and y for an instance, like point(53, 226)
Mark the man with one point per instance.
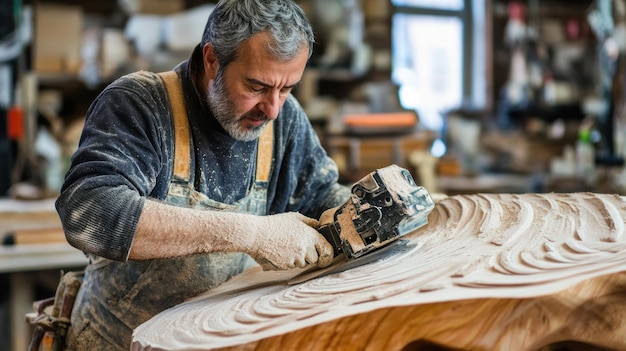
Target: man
point(161, 225)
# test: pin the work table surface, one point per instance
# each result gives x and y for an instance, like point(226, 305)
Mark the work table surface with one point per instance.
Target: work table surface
point(22, 261)
point(489, 272)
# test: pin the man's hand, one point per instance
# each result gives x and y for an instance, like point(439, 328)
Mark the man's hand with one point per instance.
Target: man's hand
point(280, 241)
point(289, 240)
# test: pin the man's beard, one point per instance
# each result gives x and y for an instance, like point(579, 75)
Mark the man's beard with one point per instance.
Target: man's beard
point(223, 110)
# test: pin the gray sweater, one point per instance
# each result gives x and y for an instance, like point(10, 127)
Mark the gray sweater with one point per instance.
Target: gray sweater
point(125, 156)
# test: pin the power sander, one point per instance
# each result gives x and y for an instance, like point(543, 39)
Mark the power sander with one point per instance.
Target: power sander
point(383, 206)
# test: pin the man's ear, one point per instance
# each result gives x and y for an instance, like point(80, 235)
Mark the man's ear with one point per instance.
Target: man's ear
point(209, 59)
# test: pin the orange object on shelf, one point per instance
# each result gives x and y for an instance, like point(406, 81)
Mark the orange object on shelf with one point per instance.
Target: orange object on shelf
point(15, 123)
point(391, 122)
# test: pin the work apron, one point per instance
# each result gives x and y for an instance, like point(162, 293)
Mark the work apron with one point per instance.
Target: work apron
point(116, 297)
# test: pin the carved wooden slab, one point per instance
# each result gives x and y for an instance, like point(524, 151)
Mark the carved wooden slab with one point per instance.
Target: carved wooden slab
point(492, 272)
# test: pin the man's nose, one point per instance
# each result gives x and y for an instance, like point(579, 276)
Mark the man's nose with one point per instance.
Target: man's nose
point(270, 105)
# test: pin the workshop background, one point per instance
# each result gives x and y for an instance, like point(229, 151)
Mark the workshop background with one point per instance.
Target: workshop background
point(470, 96)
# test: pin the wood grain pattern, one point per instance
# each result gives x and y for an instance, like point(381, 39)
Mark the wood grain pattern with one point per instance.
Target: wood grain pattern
point(492, 272)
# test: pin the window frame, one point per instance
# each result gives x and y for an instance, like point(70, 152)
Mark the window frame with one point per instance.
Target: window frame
point(475, 92)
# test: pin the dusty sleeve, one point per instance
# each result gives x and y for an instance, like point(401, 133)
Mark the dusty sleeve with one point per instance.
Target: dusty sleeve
point(115, 168)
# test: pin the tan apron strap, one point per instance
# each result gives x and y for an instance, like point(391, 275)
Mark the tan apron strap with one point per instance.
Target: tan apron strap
point(265, 153)
point(182, 147)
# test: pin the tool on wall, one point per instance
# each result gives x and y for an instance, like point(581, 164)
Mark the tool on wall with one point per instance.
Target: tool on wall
point(606, 19)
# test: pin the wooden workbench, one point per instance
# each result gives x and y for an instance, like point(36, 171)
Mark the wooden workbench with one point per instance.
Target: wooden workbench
point(489, 272)
point(358, 154)
point(21, 261)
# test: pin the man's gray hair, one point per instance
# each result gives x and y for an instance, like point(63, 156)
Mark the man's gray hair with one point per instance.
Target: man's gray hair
point(234, 21)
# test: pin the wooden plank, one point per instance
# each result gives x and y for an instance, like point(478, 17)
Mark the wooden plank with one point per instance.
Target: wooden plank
point(492, 272)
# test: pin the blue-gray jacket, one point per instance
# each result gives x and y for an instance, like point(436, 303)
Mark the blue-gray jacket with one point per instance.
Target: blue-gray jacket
point(125, 154)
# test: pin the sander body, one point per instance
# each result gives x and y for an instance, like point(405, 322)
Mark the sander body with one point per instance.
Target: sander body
point(383, 206)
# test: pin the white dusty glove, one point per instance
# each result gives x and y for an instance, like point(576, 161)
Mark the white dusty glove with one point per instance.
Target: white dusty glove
point(289, 240)
point(280, 241)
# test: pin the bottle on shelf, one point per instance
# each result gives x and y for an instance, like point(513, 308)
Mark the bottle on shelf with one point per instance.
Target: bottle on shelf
point(585, 156)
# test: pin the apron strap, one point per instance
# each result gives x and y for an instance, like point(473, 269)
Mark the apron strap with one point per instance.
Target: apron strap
point(182, 148)
point(265, 153)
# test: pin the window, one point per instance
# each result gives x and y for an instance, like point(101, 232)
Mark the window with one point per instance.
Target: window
point(432, 4)
point(438, 53)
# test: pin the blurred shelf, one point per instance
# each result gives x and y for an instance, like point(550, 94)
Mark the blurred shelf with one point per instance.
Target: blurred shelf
point(485, 183)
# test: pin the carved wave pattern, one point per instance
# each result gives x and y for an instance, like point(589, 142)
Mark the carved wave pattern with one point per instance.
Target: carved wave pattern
point(474, 246)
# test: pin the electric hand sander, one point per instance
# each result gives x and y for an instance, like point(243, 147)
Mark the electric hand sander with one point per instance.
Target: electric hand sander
point(383, 206)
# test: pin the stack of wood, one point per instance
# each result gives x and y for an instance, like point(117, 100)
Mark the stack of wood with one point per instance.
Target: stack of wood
point(29, 222)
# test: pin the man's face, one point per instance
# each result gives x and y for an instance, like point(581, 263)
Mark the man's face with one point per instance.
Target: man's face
point(252, 89)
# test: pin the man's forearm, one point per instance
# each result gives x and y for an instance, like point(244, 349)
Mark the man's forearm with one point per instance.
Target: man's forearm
point(280, 241)
point(170, 231)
